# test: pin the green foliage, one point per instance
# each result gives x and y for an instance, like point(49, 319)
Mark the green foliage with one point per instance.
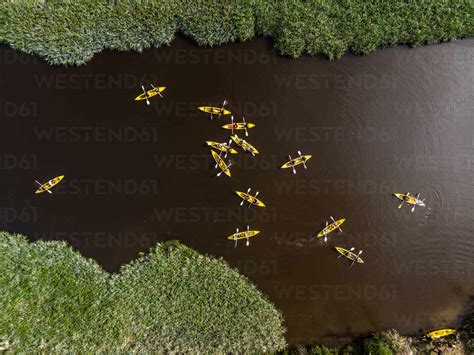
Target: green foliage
point(376, 346)
point(171, 300)
point(319, 350)
point(398, 343)
point(467, 330)
point(386, 343)
point(71, 32)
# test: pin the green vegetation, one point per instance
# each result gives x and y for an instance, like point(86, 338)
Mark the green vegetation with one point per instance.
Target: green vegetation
point(467, 329)
point(71, 32)
point(171, 300)
point(386, 343)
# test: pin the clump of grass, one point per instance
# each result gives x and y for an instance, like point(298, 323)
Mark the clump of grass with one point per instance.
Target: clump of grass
point(376, 345)
point(387, 342)
point(71, 32)
point(398, 343)
point(171, 300)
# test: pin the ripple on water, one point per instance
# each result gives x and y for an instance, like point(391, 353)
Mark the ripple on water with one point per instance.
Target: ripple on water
point(444, 241)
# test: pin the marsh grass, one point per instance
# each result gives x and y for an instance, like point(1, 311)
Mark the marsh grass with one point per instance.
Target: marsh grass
point(70, 32)
point(170, 300)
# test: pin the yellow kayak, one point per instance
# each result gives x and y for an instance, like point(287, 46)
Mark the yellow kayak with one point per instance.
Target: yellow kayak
point(223, 147)
point(214, 110)
point(48, 185)
point(150, 93)
point(330, 228)
point(408, 198)
point(244, 144)
point(296, 161)
point(243, 235)
point(221, 163)
point(436, 334)
point(350, 255)
point(238, 126)
point(250, 199)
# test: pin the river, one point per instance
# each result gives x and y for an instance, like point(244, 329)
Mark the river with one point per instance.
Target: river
point(397, 120)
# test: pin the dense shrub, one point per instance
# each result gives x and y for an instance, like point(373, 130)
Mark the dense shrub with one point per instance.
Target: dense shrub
point(171, 300)
point(71, 32)
point(467, 329)
point(376, 346)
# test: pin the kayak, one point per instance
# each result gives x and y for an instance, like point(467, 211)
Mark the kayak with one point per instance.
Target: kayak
point(250, 199)
point(440, 333)
point(223, 147)
point(238, 125)
point(245, 145)
point(243, 235)
point(150, 93)
point(214, 110)
point(350, 255)
point(296, 161)
point(325, 231)
point(221, 163)
point(406, 198)
point(48, 185)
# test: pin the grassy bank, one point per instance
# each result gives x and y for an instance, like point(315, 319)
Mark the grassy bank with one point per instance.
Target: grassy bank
point(390, 342)
point(172, 299)
point(71, 32)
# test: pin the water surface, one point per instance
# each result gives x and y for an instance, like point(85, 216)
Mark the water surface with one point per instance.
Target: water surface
point(397, 120)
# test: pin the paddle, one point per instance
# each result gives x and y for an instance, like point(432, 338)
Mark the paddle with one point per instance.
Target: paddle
point(416, 199)
point(146, 95)
point(403, 201)
point(232, 124)
point(302, 160)
point(292, 166)
point(248, 242)
point(41, 185)
point(222, 109)
point(245, 127)
point(242, 203)
point(224, 170)
point(340, 230)
point(250, 203)
point(157, 90)
point(356, 258)
point(227, 147)
point(325, 232)
point(235, 238)
point(215, 166)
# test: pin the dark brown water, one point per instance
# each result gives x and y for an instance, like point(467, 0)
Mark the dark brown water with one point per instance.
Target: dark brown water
point(395, 121)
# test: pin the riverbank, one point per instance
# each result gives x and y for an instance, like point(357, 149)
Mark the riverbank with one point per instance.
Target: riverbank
point(390, 342)
point(71, 33)
point(170, 300)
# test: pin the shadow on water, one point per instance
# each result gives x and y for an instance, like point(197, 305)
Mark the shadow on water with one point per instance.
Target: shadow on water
point(397, 120)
